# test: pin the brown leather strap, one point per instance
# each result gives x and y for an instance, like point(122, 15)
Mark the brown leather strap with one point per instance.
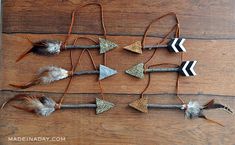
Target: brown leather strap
point(176, 27)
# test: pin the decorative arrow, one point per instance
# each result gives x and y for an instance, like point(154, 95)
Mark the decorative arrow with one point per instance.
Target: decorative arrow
point(192, 110)
point(51, 47)
point(49, 74)
point(174, 45)
point(44, 106)
point(186, 69)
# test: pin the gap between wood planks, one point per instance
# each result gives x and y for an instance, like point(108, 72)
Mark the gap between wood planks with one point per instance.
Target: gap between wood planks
point(134, 35)
point(120, 94)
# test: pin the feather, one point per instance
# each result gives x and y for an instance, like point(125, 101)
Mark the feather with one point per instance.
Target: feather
point(16, 97)
point(50, 74)
point(46, 75)
point(43, 47)
point(218, 106)
point(42, 106)
point(46, 47)
point(193, 109)
point(27, 85)
point(209, 104)
point(24, 54)
point(212, 121)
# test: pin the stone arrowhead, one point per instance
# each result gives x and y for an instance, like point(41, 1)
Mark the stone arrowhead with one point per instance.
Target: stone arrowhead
point(136, 71)
point(135, 47)
point(103, 106)
point(106, 45)
point(140, 104)
point(106, 72)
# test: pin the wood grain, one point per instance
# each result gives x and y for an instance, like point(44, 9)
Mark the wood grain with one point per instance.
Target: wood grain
point(202, 19)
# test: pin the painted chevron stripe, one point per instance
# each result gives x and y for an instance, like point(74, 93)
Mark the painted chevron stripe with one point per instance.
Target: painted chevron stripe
point(187, 68)
point(176, 45)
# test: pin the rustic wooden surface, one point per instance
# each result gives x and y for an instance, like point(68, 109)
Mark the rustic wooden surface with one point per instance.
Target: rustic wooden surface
point(208, 26)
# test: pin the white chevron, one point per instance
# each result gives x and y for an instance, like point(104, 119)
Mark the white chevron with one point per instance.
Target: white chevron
point(181, 45)
point(184, 68)
point(191, 68)
point(173, 45)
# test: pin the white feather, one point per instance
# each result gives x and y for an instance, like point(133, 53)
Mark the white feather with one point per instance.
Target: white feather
point(44, 108)
point(53, 47)
point(52, 74)
point(193, 109)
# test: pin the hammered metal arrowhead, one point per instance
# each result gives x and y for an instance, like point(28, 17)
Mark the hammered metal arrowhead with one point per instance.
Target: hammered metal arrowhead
point(106, 72)
point(135, 47)
point(136, 71)
point(103, 106)
point(140, 104)
point(106, 45)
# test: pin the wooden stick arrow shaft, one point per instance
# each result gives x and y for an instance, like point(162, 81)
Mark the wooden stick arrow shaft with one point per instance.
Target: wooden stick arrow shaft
point(155, 46)
point(77, 106)
point(100, 106)
point(160, 106)
point(162, 70)
point(82, 46)
point(86, 72)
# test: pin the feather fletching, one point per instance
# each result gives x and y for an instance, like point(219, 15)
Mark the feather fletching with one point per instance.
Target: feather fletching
point(50, 74)
point(46, 47)
point(42, 106)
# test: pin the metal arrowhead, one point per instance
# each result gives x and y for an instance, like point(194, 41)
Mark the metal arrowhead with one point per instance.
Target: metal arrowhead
point(136, 71)
point(106, 45)
point(140, 104)
point(103, 106)
point(135, 47)
point(106, 72)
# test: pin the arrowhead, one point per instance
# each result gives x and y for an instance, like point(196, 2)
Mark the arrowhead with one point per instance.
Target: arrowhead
point(135, 47)
point(140, 104)
point(106, 45)
point(136, 71)
point(106, 72)
point(103, 106)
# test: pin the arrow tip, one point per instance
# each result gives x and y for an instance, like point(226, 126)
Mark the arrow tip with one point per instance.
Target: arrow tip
point(135, 47)
point(106, 72)
point(103, 106)
point(136, 71)
point(106, 45)
point(140, 104)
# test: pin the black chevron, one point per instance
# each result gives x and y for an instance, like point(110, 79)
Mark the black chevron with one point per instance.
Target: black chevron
point(176, 45)
point(187, 68)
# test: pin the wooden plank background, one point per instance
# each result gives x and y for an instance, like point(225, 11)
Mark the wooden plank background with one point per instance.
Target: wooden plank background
point(208, 26)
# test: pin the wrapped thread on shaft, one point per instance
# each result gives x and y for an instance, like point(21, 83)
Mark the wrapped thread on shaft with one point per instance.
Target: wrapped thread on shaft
point(160, 106)
point(162, 70)
point(86, 72)
point(82, 46)
point(75, 106)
